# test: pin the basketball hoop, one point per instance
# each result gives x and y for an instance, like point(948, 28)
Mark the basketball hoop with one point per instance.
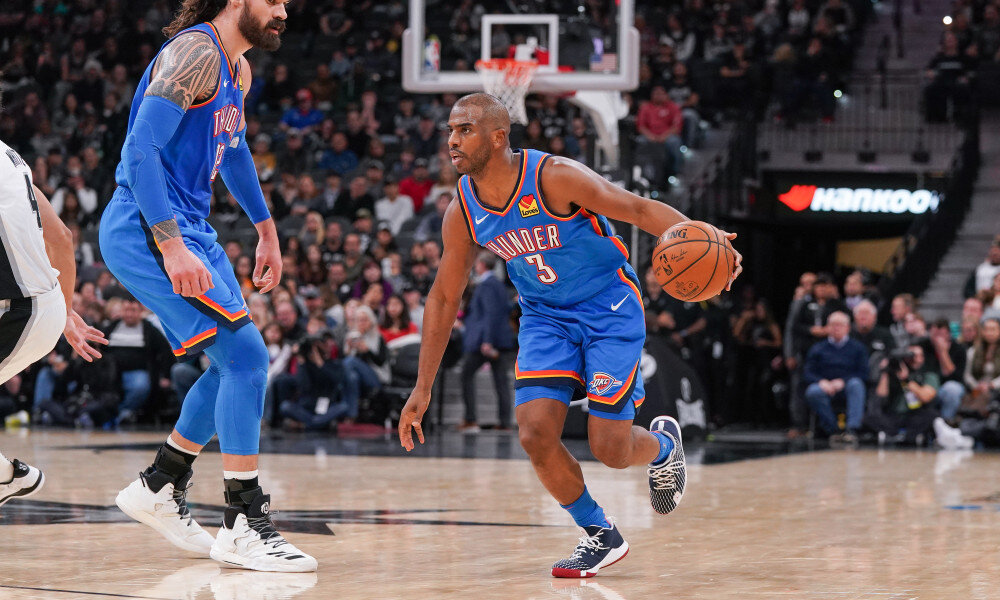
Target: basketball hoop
point(508, 80)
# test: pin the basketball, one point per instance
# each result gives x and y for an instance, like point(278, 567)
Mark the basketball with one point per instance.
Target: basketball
point(693, 261)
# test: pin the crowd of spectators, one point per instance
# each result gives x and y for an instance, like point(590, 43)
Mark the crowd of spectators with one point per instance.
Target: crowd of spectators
point(833, 370)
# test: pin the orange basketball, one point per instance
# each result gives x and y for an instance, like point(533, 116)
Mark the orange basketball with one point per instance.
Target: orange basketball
point(693, 261)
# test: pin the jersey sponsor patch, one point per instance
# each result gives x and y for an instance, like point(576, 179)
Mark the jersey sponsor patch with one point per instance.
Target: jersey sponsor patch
point(528, 206)
point(602, 383)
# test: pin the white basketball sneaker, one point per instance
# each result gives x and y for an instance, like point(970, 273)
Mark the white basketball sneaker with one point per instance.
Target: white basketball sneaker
point(26, 481)
point(249, 540)
point(166, 511)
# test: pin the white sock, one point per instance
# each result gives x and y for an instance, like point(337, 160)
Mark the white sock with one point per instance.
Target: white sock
point(6, 469)
point(241, 475)
point(177, 447)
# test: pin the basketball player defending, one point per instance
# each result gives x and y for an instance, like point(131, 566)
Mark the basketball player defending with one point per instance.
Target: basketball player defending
point(37, 279)
point(582, 327)
point(186, 127)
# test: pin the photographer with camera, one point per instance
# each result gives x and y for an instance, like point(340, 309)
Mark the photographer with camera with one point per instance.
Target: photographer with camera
point(837, 367)
point(906, 388)
point(321, 383)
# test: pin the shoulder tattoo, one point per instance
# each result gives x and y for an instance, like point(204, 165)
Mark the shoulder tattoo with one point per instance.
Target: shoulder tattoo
point(188, 69)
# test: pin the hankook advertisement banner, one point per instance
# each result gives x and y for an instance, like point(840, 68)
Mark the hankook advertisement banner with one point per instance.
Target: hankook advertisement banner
point(849, 197)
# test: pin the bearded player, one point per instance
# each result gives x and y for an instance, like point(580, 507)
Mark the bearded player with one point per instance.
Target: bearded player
point(186, 127)
point(582, 328)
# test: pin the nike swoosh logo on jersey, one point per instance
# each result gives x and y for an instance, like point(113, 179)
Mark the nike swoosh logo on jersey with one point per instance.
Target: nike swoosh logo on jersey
point(225, 84)
point(615, 306)
point(481, 219)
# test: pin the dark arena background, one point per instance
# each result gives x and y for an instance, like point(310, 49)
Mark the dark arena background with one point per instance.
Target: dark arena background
point(852, 145)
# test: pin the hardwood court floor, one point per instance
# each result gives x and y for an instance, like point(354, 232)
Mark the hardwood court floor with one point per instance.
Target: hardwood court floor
point(863, 524)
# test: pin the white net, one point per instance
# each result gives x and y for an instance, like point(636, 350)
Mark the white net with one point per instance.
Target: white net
point(509, 81)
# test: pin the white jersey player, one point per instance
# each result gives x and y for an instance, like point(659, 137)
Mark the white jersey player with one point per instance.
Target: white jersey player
point(37, 277)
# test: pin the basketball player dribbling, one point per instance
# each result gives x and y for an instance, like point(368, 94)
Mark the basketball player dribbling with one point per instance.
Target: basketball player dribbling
point(185, 127)
point(37, 279)
point(582, 328)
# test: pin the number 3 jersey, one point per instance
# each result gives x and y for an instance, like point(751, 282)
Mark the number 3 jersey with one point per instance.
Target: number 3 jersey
point(551, 258)
point(25, 270)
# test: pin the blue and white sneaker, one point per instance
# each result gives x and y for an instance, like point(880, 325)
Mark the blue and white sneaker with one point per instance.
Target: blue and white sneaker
point(667, 478)
point(601, 547)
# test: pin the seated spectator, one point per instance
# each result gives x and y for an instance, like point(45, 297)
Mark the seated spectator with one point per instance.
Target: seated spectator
point(354, 259)
point(425, 140)
point(948, 82)
point(906, 389)
point(812, 87)
point(414, 305)
point(365, 352)
point(353, 199)
point(660, 122)
point(981, 278)
point(837, 367)
point(876, 339)
point(327, 199)
point(417, 185)
point(311, 270)
point(338, 158)
point(332, 247)
point(430, 224)
point(287, 317)
point(337, 285)
point(142, 357)
point(736, 86)
point(982, 365)
point(313, 229)
point(683, 94)
point(394, 208)
point(396, 323)
point(264, 160)
point(304, 116)
point(371, 274)
point(323, 87)
point(320, 383)
point(384, 243)
point(950, 360)
point(375, 176)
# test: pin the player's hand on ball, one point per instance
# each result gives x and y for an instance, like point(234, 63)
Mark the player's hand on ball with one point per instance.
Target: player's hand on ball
point(737, 264)
point(410, 418)
point(78, 334)
point(188, 274)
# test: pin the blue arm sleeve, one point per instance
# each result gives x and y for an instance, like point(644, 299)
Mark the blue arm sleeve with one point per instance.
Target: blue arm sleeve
point(240, 176)
point(155, 123)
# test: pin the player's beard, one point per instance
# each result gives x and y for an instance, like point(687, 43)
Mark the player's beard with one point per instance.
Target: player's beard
point(477, 161)
point(259, 36)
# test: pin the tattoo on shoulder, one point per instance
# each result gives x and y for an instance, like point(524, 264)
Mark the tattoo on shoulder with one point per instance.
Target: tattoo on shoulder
point(165, 230)
point(188, 69)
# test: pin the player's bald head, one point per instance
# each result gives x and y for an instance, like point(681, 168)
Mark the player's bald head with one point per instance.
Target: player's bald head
point(492, 113)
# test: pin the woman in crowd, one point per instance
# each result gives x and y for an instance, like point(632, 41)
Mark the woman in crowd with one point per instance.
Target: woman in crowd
point(396, 322)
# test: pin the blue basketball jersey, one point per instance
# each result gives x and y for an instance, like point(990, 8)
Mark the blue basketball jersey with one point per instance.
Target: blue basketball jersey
point(551, 258)
point(192, 157)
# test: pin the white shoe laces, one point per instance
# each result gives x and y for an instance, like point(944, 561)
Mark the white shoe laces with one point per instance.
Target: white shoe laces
point(665, 476)
point(588, 543)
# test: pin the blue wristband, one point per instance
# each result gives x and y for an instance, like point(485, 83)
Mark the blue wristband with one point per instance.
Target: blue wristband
point(154, 124)
point(240, 175)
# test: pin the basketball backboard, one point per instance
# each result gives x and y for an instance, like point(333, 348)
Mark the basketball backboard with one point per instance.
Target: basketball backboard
point(580, 46)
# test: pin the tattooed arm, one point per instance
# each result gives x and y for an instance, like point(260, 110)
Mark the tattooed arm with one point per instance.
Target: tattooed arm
point(188, 69)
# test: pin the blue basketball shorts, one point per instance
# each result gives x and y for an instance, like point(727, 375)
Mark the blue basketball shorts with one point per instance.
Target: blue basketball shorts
point(592, 347)
point(131, 253)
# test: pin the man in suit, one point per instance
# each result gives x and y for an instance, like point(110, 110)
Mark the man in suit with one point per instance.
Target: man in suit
point(488, 339)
